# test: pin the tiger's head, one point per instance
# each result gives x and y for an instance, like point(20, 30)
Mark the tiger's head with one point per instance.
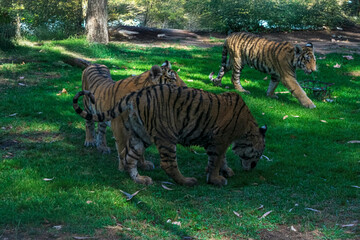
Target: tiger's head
point(165, 75)
point(250, 148)
point(305, 58)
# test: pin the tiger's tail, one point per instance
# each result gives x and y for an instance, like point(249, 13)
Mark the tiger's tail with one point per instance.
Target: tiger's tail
point(217, 81)
point(99, 117)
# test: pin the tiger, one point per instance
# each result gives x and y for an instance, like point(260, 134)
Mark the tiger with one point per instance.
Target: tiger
point(97, 79)
point(166, 115)
point(279, 59)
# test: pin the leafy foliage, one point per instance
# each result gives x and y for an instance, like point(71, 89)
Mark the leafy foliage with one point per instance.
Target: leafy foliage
point(52, 19)
point(278, 14)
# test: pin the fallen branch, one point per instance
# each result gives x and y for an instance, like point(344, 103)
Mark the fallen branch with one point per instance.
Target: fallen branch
point(76, 62)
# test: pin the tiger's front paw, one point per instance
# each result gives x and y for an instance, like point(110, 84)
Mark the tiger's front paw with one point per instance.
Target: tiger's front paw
point(146, 165)
point(242, 90)
point(227, 172)
point(103, 149)
point(217, 181)
point(145, 180)
point(273, 96)
point(121, 165)
point(90, 143)
point(190, 181)
point(216, 83)
point(309, 105)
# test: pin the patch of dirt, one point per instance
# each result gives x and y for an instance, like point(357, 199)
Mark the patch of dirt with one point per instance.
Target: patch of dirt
point(345, 40)
point(285, 233)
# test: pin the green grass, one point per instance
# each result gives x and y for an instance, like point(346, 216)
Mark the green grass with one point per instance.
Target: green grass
point(312, 164)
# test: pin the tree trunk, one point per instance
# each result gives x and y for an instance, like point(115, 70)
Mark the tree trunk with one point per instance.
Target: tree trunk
point(18, 27)
point(96, 21)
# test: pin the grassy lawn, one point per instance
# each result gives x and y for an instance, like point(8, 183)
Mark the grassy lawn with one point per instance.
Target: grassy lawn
point(51, 185)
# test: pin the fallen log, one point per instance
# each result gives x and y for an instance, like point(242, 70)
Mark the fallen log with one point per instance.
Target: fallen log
point(76, 62)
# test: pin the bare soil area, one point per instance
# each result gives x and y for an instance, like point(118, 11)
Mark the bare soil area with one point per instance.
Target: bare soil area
point(341, 40)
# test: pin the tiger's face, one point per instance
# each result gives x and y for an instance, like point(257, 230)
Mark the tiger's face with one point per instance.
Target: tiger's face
point(306, 59)
point(169, 76)
point(250, 148)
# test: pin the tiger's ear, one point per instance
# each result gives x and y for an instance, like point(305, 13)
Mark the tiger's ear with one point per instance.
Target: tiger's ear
point(263, 130)
point(155, 72)
point(298, 50)
point(309, 45)
point(166, 64)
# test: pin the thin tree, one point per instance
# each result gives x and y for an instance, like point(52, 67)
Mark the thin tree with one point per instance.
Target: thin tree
point(96, 21)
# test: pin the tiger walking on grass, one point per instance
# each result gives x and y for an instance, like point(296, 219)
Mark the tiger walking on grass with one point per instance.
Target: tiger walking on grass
point(279, 59)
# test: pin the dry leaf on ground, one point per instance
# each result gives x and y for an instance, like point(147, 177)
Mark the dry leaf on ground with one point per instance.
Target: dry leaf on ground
point(312, 209)
point(165, 187)
point(237, 214)
point(48, 179)
point(348, 57)
point(337, 66)
point(175, 222)
point(58, 227)
point(75, 237)
point(63, 91)
point(265, 214)
point(130, 196)
point(349, 225)
point(267, 159)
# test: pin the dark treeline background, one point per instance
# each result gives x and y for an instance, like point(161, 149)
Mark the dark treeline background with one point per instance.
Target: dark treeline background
point(56, 19)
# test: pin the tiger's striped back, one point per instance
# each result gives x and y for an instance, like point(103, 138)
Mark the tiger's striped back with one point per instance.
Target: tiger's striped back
point(261, 53)
point(97, 79)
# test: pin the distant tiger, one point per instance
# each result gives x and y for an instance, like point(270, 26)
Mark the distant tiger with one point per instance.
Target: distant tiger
point(168, 115)
point(97, 79)
point(279, 59)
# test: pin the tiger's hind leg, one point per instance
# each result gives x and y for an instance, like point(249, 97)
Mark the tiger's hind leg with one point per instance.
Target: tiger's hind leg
point(215, 162)
point(274, 82)
point(223, 70)
point(226, 64)
point(101, 138)
point(235, 78)
point(122, 135)
point(168, 162)
point(132, 153)
point(90, 134)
